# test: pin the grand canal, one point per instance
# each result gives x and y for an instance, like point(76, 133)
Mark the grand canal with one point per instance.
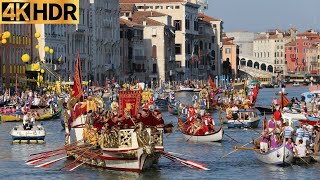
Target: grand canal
point(239, 165)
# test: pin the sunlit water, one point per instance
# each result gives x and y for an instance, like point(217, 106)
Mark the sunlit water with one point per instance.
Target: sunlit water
point(238, 165)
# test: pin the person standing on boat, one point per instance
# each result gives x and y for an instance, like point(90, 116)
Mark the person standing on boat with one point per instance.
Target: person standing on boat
point(235, 111)
point(299, 133)
point(300, 149)
point(290, 144)
point(277, 115)
point(306, 136)
point(272, 123)
point(194, 98)
point(274, 141)
point(288, 131)
point(264, 142)
point(25, 120)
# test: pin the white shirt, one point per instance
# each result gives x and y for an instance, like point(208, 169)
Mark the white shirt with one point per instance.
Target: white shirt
point(25, 119)
point(301, 150)
point(234, 109)
point(36, 101)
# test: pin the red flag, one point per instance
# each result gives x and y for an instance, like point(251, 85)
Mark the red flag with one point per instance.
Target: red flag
point(199, 56)
point(107, 83)
point(77, 90)
point(284, 101)
point(98, 85)
point(212, 84)
point(255, 92)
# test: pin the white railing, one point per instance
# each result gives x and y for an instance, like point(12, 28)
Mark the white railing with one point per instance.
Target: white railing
point(254, 71)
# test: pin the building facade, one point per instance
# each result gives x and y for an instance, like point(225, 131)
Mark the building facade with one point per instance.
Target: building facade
point(230, 57)
point(269, 48)
point(19, 43)
point(244, 40)
point(296, 52)
point(97, 39)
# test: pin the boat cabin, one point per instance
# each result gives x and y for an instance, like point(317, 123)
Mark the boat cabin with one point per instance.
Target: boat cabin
point(245, 114)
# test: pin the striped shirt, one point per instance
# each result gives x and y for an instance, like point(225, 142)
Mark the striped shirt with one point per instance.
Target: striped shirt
point(299, 132)
point(287, 131)
point(306, 134)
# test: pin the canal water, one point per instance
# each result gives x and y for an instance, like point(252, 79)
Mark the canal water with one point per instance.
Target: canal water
point(239, 165)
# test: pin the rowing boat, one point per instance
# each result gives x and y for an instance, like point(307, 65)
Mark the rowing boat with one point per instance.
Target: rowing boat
point(279, 156)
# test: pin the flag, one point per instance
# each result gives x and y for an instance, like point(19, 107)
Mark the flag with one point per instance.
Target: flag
point(98, 85)
point(77, 90)
point(255, 92)
point(112, 82)
point(284, 101)
point(199, 56)
point(212, 84)
point(60, 59)
point(265, 122)
point(192, 56)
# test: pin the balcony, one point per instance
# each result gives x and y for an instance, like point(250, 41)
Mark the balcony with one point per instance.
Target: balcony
point(140, 58)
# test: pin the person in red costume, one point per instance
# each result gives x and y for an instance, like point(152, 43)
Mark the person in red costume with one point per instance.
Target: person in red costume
point(157, 118)
point(277, 115)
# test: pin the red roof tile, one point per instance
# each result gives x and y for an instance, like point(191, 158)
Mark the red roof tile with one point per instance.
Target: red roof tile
point(129, 23)
point(207, 18)
point(127, 7)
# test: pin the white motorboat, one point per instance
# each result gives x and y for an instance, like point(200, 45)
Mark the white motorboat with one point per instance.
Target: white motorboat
point(246, 118)
point(31, 133)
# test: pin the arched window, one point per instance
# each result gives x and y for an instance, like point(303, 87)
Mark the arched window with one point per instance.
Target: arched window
point(154, 51)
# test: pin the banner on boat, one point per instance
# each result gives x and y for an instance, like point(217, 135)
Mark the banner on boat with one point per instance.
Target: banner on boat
point(130, 100)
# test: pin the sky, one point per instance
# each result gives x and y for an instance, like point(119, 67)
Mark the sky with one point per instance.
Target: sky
point(262, 15)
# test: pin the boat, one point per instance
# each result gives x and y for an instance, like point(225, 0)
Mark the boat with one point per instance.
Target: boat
point(246, 118)
point(303, 160)
point(161, 104)
point(213, 136)
point(45, 115)
point(197, 90)
point(186, 89)
point(173, 109)
point(296, 84)
point(268, 86)
point(278, 93)
point(265, 109)
point(279, 156)
point(126, 149)
point(293, 118)
point(33, 133)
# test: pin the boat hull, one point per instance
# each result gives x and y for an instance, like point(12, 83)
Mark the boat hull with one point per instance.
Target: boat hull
point(280, 156)
point(173, 110)
point(265, 110)
point(251, 123)
point(36, 133)
point(213, 137)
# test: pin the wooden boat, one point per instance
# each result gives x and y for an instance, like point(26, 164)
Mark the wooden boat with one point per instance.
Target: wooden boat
point(265, 109)
point(303, 160)
point(279, 156)
point(33, 133)
point(43, 117)
point(122, 149)
point(215, 136)
point(173, 109)
point(246, 118)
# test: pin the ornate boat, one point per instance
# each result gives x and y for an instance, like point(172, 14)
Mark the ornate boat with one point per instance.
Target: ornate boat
point(213, 136)
point(246, 118)
point(279, 156)
point(132, 148)
point(173, 109)
point(29, 134)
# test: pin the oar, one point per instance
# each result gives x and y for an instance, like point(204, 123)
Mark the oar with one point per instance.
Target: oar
point(50, 162)
point(186, 162)
point(78, 158)
point(303, 160)
point(231, 138)
point(193, 134)
point(37, 160)
point(236, 150)
point(62, 148)
point(73, 168)
point(245, 148)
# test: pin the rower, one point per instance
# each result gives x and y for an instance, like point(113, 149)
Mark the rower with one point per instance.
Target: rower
point(264, 142)
point(300, 149)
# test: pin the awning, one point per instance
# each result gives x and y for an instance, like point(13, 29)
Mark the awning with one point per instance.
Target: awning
point(313, 72)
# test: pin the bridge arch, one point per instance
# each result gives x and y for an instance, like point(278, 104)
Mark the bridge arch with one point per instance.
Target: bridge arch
point(256, 65)
point(249, 63)
point(263, 67)
point(270, 69)
point(242, 61)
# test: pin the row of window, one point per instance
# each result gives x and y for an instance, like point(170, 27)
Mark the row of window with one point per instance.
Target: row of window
point(178, 25)
point(19, 40)
point(267, 54)
point(13, 69)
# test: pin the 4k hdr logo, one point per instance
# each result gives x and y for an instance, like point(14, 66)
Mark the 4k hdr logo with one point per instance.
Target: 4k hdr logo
point(39, 12)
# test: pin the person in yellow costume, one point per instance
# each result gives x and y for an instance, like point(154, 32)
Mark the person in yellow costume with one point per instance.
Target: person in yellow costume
point(114, 107)
point(91, 105)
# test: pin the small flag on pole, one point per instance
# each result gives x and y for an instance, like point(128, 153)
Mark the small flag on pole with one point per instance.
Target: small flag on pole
point(192, 56)
point(199, 56)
